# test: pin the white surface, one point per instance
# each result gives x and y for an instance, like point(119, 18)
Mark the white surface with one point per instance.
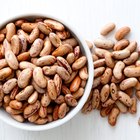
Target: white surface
point(87, 16)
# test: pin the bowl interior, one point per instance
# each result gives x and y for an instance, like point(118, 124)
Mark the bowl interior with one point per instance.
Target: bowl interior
point(85, 50)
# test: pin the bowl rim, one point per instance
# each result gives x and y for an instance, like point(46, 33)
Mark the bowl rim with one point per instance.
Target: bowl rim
point(88, 86)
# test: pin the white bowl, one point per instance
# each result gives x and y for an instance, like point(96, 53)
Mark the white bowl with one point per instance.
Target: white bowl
point(4, 116)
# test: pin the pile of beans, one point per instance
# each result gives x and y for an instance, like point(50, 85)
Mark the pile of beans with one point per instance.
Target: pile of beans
point(116, 85)
point(43, 72)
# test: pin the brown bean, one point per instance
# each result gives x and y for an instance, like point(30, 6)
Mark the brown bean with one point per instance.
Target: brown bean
point(105, 111)
point(6, 46)
point(15, 44)
point(108, 102)
point(54, 24)
point(60, 99)
point(103, 43)
point(76, 52)
point(13, 111)
point(37, 88)
point(62, 50)
point(124, 98)
point(79, 93)
point(19, 22)
point(95, 57)
point(74, 86)
point(118, 69)
point(104, 93)
point(41, 121)
point(50, 118)
point(51, 89)
point(55, 112)
point(101, 52)
point(72, 76)
point(63, 63)
point(132, 46)
point(47, 47)
point(34, 117)
point(6, 100)
point(122, 32)
point(50, 109)
point(9, 85)
point(15, 104)
point(70, 58)
point(112, 118)
point(46, 60)
point(121, 106)
point(71, 41)
point(106, 77)
point(121, 44)
point(62, 110)
point(5, 72)
point(132, 71)
point(121, 54)
point(83, 73)
point(11, 59)
point(23, 56)
point(63, 73)
point(131, 59)
point(98, 71)
point(23, 42)
point(55, 40)
point(18, 118)
point(11, 30)
point(114, 91)
point(138, 94)
point(14, 92)
point(45, 100)
point(34, 35)
point(36, 47)
point(1, 94)
point(42, 112)
point(109, 60)
point(129, 92)
point(25, 93)
point(33, 98)
point(106, 29)
point(70, 100)
point(83, 83)
point(96, 82)
point(49, 70)
point(133, 108)
point(63, 34)
point(58, 83)
point(95, 99)
point(44, 28)
point(3, 31)
point(31, 109)
point(99, 63)
point(28, 27)
point(24, 77)
point(87, 107)
point(116, 81)
point(39, 78)
point(3, 63)
point(128, 83)
point(2, 36)
point(79, 63)
point(137, 86)
point(65, 90)
point(22, 35)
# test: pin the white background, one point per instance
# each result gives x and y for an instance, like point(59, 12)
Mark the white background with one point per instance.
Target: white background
point(87, 16)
